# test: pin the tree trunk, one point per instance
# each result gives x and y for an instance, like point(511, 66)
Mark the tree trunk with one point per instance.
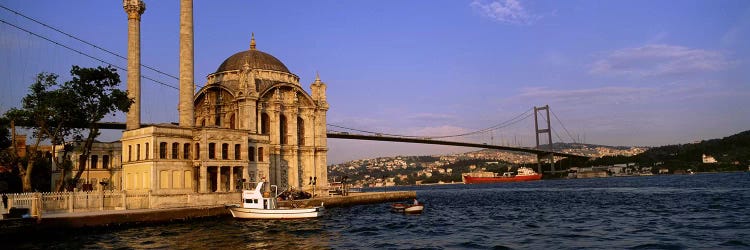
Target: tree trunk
point(26, 178)
point(85, 152)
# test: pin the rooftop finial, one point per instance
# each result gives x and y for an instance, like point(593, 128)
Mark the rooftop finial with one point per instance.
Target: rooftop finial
point(252, 41)
point(317, 76)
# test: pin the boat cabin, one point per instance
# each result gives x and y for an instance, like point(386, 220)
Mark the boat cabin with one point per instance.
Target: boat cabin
point(257, 195)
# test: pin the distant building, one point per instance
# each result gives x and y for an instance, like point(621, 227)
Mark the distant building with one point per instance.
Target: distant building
point(103, 166)
point(708, 159)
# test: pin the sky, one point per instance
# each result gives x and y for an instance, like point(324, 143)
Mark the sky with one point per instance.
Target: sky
point(643, 73)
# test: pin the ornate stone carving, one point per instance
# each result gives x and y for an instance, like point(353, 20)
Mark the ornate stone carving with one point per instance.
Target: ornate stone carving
point(134, 8)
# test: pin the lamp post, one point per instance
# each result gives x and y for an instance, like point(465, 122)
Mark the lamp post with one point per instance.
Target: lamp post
point(343, 186)
point(104, 184)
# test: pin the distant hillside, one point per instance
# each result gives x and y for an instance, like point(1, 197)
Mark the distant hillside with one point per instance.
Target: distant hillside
point(731, 150)
point(732, 153)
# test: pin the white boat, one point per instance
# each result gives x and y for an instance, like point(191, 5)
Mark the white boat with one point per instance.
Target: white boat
point(256, 206)
point(407, 208)
point(414, 209)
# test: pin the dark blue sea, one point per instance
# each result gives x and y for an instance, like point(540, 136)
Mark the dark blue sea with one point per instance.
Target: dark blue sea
point(704, 211)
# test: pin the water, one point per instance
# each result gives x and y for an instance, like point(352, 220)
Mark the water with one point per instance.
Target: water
point(658, 212)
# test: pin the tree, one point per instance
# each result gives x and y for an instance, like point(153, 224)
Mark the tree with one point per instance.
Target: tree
point(4, 133)
point(64, 112)
point(97, 96)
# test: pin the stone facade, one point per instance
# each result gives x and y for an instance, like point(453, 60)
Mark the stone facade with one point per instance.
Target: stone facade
point(251, 121)
point(104, 164)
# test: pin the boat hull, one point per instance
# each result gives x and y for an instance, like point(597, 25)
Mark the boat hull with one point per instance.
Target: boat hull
point(415, 209)
point(407, 208)
point(474, 180)
point(292, 213)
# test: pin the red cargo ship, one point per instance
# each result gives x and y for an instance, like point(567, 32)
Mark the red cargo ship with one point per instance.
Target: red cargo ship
point(524, 174)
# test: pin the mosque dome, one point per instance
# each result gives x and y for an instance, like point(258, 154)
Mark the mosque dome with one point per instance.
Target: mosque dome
point(256, 59)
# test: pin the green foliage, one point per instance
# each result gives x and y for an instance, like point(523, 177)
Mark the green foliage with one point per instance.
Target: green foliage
point(4, 133)
point(64, 112)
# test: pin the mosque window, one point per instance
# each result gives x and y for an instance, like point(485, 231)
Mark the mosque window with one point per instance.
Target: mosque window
point(237, 155)
point(162, 150)
point(105, 161)
point(197, 151)
point(130, 149)
point(265, 123)
point(175, 150)
point(260, 154)
point(300, 131)
point(146, 151)
point(137, 152)
point(212, 150)
point(231, 122)
point(282, 130)
point(94, 161)
point(186, 151)
point(224, 151)
point(82, 160)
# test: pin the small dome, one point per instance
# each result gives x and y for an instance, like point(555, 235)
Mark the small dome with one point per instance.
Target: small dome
point(255, 58)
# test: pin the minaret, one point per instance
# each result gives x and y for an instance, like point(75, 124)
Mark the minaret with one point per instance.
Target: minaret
point(187, 88)
point(134, 9)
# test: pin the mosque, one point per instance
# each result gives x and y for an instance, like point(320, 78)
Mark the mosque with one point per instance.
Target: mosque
point(251, 121)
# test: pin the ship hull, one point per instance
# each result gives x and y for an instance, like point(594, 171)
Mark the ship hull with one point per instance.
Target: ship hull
point(474, 180)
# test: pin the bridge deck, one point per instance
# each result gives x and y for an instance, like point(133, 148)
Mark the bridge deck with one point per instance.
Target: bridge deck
point(449, 143)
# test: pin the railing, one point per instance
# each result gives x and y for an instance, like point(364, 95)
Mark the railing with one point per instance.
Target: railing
point(72, 202)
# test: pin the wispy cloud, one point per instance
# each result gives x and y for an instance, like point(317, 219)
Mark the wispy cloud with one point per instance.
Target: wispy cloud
point(432, 117)
point(506, 11)
point(659, 59)
point(602, 95)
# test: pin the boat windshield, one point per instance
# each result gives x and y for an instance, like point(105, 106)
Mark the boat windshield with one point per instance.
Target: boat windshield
point(249, 185)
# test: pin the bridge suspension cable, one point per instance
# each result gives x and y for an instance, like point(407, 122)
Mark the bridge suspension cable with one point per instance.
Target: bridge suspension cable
point(563, 126)
point(500, 125)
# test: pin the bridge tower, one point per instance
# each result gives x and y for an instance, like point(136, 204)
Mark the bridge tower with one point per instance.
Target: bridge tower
point(550, 157)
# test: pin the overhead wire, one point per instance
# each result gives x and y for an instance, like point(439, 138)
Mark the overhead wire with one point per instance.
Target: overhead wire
point(84, 54)
point(89, 43)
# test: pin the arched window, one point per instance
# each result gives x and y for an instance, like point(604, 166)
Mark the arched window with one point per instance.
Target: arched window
point(265, 124)
point(186, 151)
point(212, 150)
point(260, 154)
point(146, 151)
point(138, 152)
point(175, 150)
point(282, 129)
point(300, 131)
point(237, 152)
point(197, 151)
point(231, 122)
point(130, 152)
point(162, 150)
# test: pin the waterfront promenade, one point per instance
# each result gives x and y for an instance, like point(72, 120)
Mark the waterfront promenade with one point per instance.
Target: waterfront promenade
point(101, 218)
